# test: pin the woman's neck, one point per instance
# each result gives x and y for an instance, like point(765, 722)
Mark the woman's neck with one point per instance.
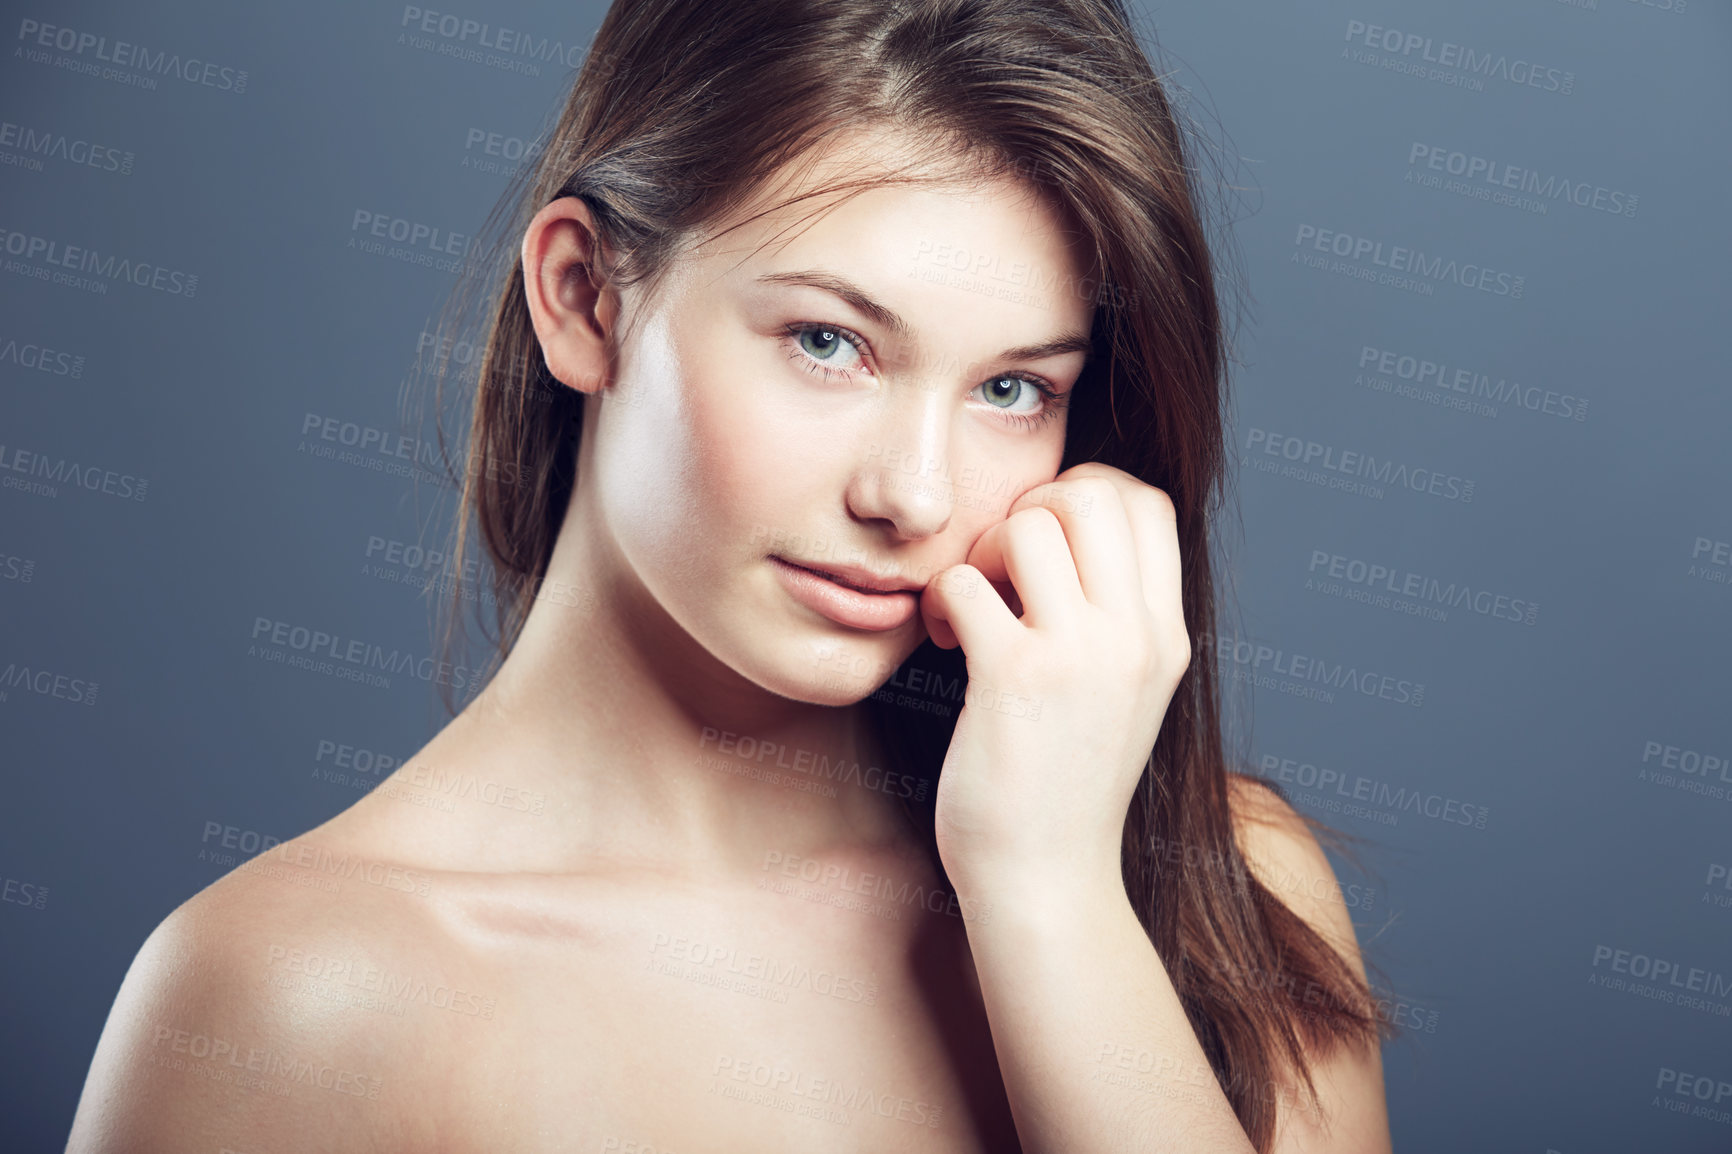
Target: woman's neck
point(656, 753)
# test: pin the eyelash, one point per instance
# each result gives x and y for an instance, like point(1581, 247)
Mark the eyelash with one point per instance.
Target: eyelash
point(1050, 411)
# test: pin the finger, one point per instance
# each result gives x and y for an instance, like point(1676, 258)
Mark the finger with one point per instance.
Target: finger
point(1030, 550)
point(932, 616)
point(1097, 527)
point(1155, 529)
point(989, 562)
point(963, 607)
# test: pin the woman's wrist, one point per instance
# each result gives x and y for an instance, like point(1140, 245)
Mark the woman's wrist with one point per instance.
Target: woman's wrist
point(1044, 893)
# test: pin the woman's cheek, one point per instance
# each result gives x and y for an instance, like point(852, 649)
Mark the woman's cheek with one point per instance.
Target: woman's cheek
point(761, 459)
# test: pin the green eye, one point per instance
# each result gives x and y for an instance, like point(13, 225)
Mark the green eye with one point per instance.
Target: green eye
point(827, 349)
point(1004, 400)
point(1005, 393)
point(821, 343)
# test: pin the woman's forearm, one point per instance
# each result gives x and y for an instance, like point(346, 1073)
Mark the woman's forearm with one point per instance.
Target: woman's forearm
point(1092, 1041)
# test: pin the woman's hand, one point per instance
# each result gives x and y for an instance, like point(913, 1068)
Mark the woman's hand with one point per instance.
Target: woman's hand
point(1064, 703)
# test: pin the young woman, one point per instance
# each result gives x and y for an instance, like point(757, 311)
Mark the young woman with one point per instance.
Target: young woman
point(853, 776)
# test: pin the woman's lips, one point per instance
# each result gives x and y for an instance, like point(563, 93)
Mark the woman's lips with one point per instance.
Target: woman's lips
point(844, 605)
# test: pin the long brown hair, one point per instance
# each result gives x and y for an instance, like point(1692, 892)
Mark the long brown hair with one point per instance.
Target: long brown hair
point(680, 111)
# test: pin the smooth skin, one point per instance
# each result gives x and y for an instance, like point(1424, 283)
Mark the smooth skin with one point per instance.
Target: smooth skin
point(585, 917)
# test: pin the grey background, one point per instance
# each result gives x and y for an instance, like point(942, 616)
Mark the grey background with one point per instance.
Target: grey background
point(1488, 936)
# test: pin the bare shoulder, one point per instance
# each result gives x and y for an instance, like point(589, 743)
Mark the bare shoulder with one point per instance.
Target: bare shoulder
point(1351, 1113)
point(252, 1013)
point(1282, 851)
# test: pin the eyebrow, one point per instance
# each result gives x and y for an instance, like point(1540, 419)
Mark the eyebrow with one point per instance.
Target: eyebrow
point(853, 294)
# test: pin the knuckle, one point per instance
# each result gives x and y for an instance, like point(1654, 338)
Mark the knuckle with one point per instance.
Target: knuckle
point(1032, 519)
point(1094, 483)
point(1157, 651)
point(1040, 497)
point(1096, 470)
point(1094, 488)
point(1156, 500)
point(1176, 652)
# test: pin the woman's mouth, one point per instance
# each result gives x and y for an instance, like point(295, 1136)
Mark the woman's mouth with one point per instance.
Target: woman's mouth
point(847, 597)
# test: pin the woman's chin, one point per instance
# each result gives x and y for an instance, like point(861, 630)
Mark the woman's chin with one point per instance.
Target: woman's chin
point(832, 689)
point(835, 675)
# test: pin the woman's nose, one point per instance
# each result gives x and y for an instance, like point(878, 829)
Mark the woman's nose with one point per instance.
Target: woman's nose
point(905, 475)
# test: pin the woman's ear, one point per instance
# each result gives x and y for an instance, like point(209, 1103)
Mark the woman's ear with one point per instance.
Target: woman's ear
point(573, 313)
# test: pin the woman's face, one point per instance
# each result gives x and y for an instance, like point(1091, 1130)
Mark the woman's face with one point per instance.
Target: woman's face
point(865, 395)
